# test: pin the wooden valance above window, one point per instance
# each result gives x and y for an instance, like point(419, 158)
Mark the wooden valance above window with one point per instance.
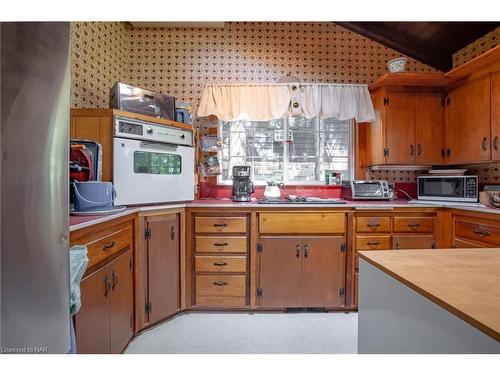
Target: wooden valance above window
point(264, 102)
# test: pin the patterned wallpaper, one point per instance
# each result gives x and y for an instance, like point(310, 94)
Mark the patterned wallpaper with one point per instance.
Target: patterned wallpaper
point(481, 45)
point(181, 62)
point(99, 58)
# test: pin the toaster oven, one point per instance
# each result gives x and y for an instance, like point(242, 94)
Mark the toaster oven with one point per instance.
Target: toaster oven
point(366, 190)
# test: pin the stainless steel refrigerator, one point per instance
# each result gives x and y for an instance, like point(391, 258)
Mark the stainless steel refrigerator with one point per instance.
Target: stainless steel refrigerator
point(34, 187)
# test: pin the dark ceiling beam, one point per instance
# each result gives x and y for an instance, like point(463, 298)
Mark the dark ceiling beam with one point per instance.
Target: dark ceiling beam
point(399, 42)
point(432, 43)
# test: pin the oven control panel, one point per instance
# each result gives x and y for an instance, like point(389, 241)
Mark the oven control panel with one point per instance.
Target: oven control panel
point(146, 131)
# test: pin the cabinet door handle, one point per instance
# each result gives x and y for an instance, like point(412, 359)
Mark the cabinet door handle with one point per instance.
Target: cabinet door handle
point(219, 244)
point(375, 243)
point(297, 248)
point(106, 286)
point(397, 245)
point(172, 232)
point(412, 150)
point(219, 283)
point(109, 245)
point(481, 232)
point(114, 280)
point(219, 225)
point(484, 144)
point(419, 149)
point(306, 250)
point(373, 225)
point(220, 264)
point(495, 143)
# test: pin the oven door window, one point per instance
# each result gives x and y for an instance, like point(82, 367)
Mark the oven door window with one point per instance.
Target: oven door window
point(157, 163)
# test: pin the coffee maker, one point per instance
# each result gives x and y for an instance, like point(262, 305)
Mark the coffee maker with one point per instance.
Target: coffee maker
point(242, 185)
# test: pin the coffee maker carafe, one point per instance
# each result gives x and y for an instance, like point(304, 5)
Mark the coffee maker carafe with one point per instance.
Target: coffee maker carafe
point(242, 185)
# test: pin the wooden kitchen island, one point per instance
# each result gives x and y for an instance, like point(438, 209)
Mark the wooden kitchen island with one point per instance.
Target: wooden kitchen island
point(420, 301)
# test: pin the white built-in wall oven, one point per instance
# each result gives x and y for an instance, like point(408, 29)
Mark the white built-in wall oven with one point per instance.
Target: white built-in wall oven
point(152, 163)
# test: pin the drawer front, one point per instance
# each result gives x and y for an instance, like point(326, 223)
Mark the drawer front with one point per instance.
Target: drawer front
point(220, 301)
point(221, 224)
point(102, 248)
point(413, 224)
point(205, 263)
point(221, 244)
point(413, 242)
point(460, 244)
point(307, 223)
point(220, 285)
point(477, 230)
point(373, 242)
point(366, 224)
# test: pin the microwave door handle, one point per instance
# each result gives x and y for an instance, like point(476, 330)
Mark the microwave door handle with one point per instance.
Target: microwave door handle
point(158, 146)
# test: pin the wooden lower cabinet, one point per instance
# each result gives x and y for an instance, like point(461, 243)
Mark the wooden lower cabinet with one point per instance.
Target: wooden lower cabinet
point(374, 231)
point(478, 230)
point(163, 250)
point(220, 261)
point(302, 272)
point(104, 323)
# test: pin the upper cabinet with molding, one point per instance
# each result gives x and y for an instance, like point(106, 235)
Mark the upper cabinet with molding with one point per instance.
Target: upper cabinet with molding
point(407, 129)
point(436, 118)
point(468, 122)
point(495, 115)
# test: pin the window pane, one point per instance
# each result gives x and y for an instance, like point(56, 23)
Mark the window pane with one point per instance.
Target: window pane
point(335, 147)
point(157, 163)
point(303, 150)
point(310, 147)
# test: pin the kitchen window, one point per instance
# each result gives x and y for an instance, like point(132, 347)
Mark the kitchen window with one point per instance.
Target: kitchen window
point(293, 150)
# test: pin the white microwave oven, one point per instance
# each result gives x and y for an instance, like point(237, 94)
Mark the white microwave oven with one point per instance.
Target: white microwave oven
point(448, 188)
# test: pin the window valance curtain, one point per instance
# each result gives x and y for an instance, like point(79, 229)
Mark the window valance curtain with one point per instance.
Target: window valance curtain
point(264, 102)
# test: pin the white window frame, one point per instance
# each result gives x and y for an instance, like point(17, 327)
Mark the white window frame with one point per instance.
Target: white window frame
point(285, 160)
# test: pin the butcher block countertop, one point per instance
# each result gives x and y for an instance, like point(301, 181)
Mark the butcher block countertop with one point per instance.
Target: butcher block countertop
point(466, 282)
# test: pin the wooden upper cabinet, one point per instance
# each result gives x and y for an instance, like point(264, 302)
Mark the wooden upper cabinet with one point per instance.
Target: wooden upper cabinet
point(400, 128)
point(495, 116)
point(375, 132)
point(428, 129)
point(468, 123)
point(408, 128)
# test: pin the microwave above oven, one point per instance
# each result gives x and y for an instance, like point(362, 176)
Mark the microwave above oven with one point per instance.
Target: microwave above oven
point(448, 188)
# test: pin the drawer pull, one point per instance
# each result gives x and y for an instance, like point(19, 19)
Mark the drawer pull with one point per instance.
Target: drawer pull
point(220, 264)
point(481, 232)
point(219, 283)
point(373, 225)
point(219, 225)
point(375, 243)
point(413, 225)
point(109, 245)
point(221, 244)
